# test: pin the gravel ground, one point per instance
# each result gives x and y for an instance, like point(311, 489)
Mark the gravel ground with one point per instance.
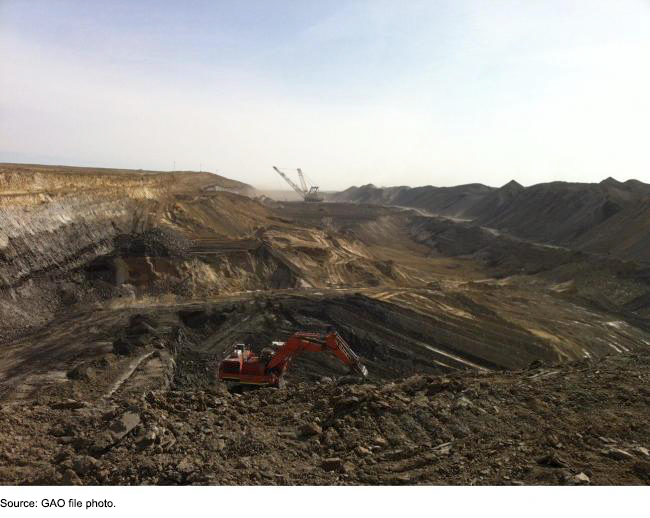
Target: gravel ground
point(579, 423)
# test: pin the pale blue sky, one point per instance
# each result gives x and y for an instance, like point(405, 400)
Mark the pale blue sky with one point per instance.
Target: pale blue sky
point(413, 92)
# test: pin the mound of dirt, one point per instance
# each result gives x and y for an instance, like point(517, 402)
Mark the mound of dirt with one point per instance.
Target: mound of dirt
point(559, 212)
point(607, 217)
point(141, 330)
point(449, 201)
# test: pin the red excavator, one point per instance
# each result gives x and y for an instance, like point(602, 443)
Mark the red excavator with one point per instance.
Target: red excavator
point(243, 367)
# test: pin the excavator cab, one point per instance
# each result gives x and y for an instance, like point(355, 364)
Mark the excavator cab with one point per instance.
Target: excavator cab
point(230, 367)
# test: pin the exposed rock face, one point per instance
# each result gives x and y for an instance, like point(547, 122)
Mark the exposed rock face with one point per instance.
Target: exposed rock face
point(54, 221)
point(72, 236)
point(45, 246)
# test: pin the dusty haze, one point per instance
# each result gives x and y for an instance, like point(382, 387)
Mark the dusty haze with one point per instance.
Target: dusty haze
point(440, 93)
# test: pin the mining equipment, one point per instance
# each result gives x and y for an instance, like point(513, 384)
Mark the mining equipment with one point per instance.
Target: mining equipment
point(308, 192)
point(244, 367)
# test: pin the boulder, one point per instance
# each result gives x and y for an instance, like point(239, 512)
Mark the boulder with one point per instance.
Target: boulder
point(124, 424)
point(332, 464)
point(81, 372)
point(146, 439)
point(309, 429)
point(68, 404)
point(642, 470)
point(380, 441)
point(618, 454)
point(552, 460)
point(580, 478)
point(185, 466)
point(117, 429)
point(123, 346)
point(362, 451)
point(70, 478)
point(243, 463)
point(85, 464)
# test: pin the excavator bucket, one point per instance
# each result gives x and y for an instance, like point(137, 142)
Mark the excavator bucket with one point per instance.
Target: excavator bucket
point(362, 369)
point(355, 361)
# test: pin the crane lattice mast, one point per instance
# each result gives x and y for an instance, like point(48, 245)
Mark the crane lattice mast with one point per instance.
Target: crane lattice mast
point(307, 193)
point(302, 180)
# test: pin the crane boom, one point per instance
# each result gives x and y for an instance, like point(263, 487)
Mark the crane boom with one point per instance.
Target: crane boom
point(308, 193)
point(291, 183)
point(302, 180)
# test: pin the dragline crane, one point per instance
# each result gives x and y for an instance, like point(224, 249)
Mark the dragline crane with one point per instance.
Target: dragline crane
point(308, 192)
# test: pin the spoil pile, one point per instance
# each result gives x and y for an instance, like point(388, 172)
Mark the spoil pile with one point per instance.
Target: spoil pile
point(583, 422)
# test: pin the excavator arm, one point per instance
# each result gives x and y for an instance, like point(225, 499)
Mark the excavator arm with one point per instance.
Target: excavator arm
point(332, 342)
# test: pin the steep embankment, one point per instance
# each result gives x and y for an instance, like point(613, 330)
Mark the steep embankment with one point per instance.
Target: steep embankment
point(81, 236)
point(625, 234)
point(559, 212)
point(57, 221)
point(609, 217)
point(447, 201)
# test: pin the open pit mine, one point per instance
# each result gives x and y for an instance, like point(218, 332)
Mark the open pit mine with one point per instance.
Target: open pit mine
point(389, 341)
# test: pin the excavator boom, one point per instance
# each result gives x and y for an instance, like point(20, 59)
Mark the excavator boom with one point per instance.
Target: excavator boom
point(332, 342)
